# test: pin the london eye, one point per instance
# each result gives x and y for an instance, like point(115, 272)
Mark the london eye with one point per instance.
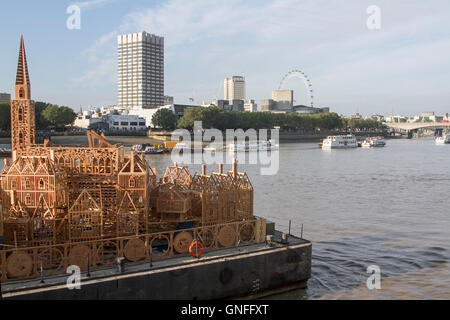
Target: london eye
point(306, 81)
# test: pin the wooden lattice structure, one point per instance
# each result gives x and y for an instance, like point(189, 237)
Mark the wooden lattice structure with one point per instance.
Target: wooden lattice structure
point(64, 204)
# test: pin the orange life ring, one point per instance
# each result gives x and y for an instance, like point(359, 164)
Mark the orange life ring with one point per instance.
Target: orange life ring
point(197, 253)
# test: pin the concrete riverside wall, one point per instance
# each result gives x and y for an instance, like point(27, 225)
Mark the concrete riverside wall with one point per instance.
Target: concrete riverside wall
point(239, 275)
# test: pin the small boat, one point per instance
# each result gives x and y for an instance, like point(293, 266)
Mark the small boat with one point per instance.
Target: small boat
point(141, 147)
point(136, 147)
point(445, 139)
point(339, 142)
point(152, 150)
point(267, 145)
point(243, 146)
point(375, 142)
point(181, 147)
point(248, 146)
point(213, 147)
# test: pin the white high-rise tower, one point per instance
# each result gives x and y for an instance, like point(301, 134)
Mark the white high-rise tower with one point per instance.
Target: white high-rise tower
point(140, 71)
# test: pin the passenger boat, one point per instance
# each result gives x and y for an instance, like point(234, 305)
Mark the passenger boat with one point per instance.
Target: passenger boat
point(375, 142)
point(267, 145)
point(339, 142)
point(152, 150)
point(140, 147)
point(181, 147)
point(243, 146)
point(213, 147)
point(248, 146)
point(445, 139)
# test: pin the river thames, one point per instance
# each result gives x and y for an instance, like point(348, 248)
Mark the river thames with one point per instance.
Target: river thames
point(360, 207)
point(382, 206)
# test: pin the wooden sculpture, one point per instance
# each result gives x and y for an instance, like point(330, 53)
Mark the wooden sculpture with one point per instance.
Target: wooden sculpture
point(87, 205)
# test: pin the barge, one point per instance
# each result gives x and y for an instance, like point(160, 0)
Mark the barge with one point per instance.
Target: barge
point(247, 272)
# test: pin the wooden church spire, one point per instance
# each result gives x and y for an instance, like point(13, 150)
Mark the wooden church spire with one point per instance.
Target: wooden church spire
point(23, 86)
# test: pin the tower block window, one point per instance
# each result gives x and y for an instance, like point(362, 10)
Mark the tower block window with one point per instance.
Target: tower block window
point(21, 93)
point(41, 184)
point(20, 111)
point(132, 183)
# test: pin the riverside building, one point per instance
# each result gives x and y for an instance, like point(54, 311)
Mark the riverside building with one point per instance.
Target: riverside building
point(234, 88)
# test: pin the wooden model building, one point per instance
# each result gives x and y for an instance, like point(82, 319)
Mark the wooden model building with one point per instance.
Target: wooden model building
point(88, 205)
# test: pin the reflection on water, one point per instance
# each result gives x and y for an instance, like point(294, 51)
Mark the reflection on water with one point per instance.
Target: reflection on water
point(385, 206)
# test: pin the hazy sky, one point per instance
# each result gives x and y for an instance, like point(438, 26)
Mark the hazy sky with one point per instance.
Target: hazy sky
point(404, 66)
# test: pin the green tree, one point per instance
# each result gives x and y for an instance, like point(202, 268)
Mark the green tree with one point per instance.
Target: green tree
point(5, 116)
point(41, 122)
point(165, 119)
point(66, 116)
point(213, 117)
point(50, 114)
point(190, 115)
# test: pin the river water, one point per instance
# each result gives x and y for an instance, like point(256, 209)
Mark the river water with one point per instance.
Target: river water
point(387, 207)
point(360, 207)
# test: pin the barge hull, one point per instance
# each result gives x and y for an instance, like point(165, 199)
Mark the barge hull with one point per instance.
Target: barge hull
point(257, 272)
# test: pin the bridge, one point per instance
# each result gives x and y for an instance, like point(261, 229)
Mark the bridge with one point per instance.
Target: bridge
point(406, 126)
point(410, 127)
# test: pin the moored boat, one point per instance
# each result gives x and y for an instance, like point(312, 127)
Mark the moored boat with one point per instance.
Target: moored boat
point(153, 150)
point(243, 146)
point(445, 139)
point(213, 147)
point(248, 146)
point(339, 142)
point(181, 147)
point(267, 145)
point(373, 142)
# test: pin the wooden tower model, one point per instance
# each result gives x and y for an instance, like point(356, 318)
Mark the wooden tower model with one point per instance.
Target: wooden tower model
point(22, 108)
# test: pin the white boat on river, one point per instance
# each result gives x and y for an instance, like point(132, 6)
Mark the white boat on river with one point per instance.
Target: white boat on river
point(248, 146)
point(339, 142)
point(373, 142)
point(445, 139)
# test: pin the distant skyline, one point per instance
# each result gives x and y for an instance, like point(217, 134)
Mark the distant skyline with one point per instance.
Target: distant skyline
point(404, 66)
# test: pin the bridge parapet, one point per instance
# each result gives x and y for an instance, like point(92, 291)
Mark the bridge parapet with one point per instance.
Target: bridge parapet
point(407, 126)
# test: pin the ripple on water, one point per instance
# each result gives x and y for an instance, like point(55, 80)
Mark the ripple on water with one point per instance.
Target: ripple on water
point(406, 286)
